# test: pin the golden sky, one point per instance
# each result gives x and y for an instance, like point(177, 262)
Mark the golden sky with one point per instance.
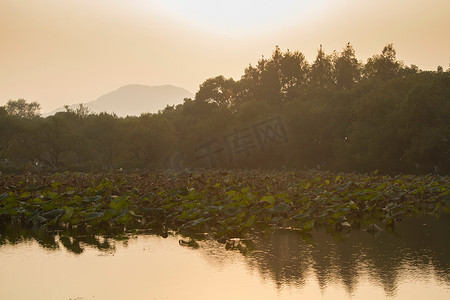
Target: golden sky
point(63, 52)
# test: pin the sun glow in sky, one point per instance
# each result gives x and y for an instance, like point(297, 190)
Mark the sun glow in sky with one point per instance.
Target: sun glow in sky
point(237, 17)
point(63, 52)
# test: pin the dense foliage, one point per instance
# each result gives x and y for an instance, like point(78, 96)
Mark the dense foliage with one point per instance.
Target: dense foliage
point(225, 204)
point(336, 113)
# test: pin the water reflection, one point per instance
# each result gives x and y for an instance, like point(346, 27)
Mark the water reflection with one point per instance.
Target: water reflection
point(74, 242)
point(418, 247)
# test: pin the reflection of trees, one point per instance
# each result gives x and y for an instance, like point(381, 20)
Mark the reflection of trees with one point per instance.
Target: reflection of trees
point(420, 247)
point(74, 241)
point(334, 259)
point(284, 257)
point(15, 234)
point(290, 257)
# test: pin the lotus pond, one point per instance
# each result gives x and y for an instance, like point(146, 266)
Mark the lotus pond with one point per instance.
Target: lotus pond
point(225, 203)
point(224, 234)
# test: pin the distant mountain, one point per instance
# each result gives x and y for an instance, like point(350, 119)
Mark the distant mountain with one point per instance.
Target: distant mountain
point(134, 99)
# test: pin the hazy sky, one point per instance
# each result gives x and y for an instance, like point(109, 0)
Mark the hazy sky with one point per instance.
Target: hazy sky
point(62, 52)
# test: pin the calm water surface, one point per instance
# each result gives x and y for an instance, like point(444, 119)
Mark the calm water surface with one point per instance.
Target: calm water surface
point(413, 262)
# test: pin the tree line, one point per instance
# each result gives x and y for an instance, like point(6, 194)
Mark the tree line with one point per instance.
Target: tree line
point(335, 113)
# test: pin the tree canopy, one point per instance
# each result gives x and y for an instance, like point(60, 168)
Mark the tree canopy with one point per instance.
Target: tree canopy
point(335, 113)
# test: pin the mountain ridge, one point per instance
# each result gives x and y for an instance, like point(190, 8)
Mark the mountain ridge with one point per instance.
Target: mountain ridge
point(134, 99)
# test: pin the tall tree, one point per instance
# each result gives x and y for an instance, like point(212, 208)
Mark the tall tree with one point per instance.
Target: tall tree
point(321, 74)
point(347, 69)
point(384, 66)
point(275, 80)
point(293, 74)
point(269, 85)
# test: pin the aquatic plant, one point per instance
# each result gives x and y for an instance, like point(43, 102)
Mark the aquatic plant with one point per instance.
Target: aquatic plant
point(223, 203)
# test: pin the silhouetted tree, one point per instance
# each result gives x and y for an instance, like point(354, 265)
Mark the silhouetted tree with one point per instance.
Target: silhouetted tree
point(218, 89)
point(294, 74)
point(347, 68)
point(384, 66)
point(21, 108)
point(322, 70)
